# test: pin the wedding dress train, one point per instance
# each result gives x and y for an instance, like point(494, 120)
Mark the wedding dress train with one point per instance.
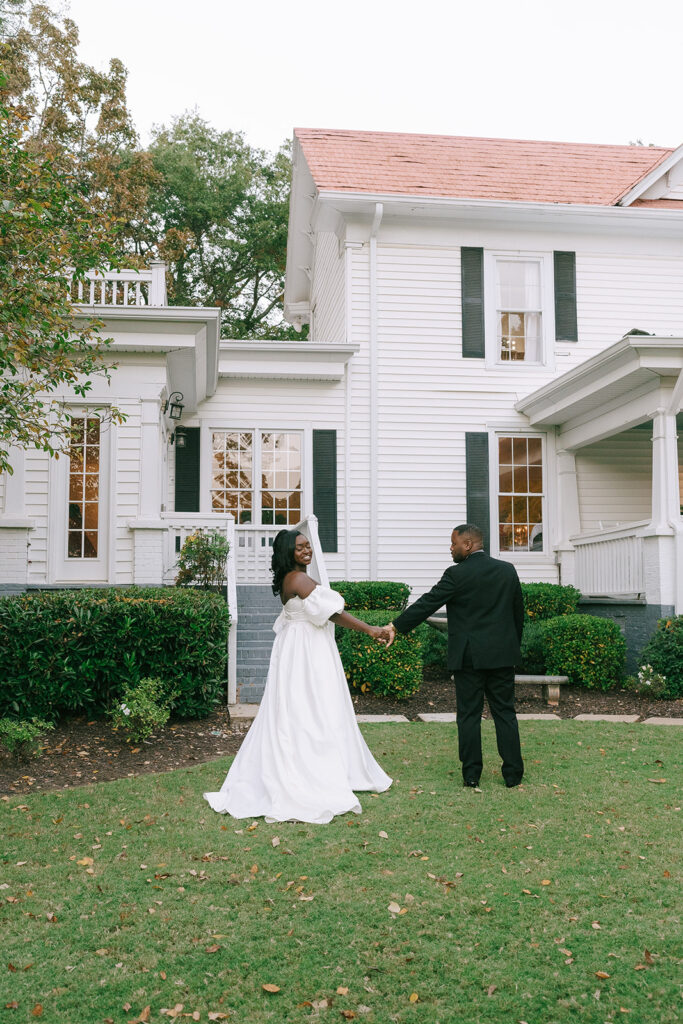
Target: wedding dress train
point(304, 755)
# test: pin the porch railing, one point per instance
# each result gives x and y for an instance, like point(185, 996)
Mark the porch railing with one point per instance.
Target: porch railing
point(122, 287)
point(611, 562)
point(254, 551)
point(179, 528)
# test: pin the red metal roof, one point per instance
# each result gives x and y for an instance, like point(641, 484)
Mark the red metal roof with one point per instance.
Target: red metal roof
point(516, 170)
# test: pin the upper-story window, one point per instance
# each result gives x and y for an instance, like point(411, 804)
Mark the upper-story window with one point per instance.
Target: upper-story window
point(519, 310)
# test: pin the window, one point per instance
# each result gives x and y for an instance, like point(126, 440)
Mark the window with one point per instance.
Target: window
point(84, 487)
point(520, 494)
point(518, 310)
point(274, 459)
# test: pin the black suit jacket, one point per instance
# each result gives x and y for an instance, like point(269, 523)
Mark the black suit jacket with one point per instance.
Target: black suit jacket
point(485, 609)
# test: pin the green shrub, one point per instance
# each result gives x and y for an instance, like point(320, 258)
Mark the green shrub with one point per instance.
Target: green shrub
point(373, 595)
point(546, 600)
point(371, 668)
point(75, 650)
point(533, 649)
point(664, 652)
point(22, 738)
point(142, 708)
point(647, 682)
point(588, 649)
point(434, 646)
point(203, 560)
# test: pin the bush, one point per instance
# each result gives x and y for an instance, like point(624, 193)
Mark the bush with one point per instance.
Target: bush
point(588, 649)
point(22, 738)
point(533, 649)
point(664, 652)
point(203, 560)
point(371, 668)
point(75, 650)
point(647, 682)
point(546, 600)
point(143, 708)
point(373, 595)
point(434, 646)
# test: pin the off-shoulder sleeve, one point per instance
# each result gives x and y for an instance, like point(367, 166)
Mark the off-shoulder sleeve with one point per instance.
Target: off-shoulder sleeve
point(321, 603)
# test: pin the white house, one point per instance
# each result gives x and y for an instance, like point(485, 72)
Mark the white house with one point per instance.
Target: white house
point(470, 358)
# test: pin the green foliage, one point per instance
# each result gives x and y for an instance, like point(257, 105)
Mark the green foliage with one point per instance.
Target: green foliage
point(434, 645)
point(75, 650)
point(533, 649)
point(546, 600)
point(664, 652)
point(141, 709)
point(588, 649)
point(371, 668)
point(23, 738)
point(202, 560)
point(647, 682)
point(373, 595)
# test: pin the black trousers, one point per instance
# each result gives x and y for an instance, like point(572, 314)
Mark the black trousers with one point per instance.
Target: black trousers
point(498, 686)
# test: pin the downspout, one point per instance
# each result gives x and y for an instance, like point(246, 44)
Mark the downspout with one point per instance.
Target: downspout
point(374, 395)
point(675, 405)
point(348, 382)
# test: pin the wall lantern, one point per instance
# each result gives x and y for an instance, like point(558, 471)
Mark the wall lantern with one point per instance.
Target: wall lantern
point(174, 405)
point(180, 437)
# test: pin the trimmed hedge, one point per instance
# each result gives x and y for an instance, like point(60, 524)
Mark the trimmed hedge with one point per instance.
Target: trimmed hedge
point(434, 645)
point(75, 650)
point(664, 652)
point(546, 600)
point(589, 650)
point(373, 595)
point(371, 668)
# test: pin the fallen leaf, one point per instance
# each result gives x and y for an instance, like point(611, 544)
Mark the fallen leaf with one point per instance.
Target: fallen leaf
point(640, 967)
point(595, 925)
point(656, 780)
point(275, 841)
point(648, 957)
point(212, 949)
point(270, 988)
point(85, 861)
point(394, 908)
point(413, 997)
point(342, 991)
point(174, 1012)
point(382, 835)
point(601, 974)
point(217, 1015)
point(546, 881)
point(348, 1014)
point(37, 1010)
point(491, 989)
point(253, 869)
point(14, 1005)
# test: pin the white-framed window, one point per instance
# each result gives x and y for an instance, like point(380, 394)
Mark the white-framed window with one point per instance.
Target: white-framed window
point(257, 476)
point(520, 494)
point(519, 308)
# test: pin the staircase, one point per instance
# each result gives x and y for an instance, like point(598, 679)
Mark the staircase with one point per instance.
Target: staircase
point(257, 610)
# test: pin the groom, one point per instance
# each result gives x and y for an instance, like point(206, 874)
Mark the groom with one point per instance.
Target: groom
point(483, 600)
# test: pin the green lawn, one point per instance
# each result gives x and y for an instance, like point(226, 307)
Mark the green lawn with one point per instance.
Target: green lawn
point(511, 903)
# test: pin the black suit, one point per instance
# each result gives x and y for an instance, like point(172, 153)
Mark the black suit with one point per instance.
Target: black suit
point(485, 610)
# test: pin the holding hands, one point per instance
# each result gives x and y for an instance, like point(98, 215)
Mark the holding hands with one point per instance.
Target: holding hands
point(384, 634)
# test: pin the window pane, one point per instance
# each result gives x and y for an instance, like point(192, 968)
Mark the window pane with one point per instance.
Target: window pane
point(75, 541)
point(90, 544)
point(535, 451)
point(520, 490)
point(519, 285)
point(92, 487)
point(504, 449)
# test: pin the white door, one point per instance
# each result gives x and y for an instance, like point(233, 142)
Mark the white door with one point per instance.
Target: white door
point(80, 520)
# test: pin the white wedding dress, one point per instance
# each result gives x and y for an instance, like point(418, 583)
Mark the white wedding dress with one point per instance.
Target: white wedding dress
point(304, 755)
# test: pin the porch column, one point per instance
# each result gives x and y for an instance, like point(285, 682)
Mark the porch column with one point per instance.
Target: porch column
point(568, 518)
point(665, 496)
point(14, 525)
point(149, 530)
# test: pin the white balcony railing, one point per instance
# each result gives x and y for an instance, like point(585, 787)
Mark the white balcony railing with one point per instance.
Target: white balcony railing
point(254, 551)
point(122, 287)
point(611, 562)
point(179, 528)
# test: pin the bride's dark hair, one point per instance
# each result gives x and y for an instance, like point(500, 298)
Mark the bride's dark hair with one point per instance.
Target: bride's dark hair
point(282, 561)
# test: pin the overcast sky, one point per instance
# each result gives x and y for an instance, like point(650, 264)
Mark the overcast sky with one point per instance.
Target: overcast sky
point(585, 71)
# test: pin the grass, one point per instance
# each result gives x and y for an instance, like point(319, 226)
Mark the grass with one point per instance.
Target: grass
point(511, 901)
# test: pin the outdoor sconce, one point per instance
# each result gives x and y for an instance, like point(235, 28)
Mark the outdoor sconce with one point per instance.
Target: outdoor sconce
point(179, 437)
point(174, 405)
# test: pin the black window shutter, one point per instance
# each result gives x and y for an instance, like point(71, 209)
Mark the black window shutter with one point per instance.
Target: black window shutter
point(477, 474)
point(187, 472)
point(565, 296)
point(325, 486)
point(472, 290)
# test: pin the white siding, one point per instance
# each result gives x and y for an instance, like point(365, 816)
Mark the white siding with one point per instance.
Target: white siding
point(37, 471)
point(327, 293)
point(126, 476)
point(615, 480)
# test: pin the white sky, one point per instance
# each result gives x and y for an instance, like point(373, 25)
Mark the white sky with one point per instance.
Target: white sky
point(578, 71)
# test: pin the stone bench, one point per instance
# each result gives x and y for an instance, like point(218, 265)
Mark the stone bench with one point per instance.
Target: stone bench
point(551, 685)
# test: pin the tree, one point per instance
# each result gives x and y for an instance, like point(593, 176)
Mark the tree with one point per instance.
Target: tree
point(218, 215)
point(59, 218)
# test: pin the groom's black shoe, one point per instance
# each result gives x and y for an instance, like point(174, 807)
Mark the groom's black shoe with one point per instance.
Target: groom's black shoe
point(511, 783)
point(470, 784)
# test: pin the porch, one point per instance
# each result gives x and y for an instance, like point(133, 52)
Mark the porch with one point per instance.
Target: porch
point(618, 533)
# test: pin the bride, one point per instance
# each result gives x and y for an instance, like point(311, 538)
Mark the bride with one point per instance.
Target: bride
point(304, 755)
